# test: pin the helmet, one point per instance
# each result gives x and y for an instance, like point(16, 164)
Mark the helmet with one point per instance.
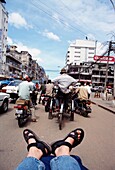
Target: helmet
point(63, 70)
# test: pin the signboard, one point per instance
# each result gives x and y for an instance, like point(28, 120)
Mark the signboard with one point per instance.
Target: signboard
point(104, 58)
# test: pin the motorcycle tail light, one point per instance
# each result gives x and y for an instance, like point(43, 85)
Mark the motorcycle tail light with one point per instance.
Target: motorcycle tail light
point(25, 107)
point(3, 90)
point(18, 107)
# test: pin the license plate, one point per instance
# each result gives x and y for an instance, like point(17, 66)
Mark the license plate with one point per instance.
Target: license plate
point(19, 111)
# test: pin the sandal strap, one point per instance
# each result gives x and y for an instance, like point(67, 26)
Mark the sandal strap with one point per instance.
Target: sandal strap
point(31, 145)
point(67, 144)
point(39, 146)
point(57, 144)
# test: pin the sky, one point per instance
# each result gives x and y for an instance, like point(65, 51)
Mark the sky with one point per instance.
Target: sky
point(45, 28)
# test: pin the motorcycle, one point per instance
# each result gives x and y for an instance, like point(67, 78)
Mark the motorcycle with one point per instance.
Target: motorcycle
point(23, 111)
point(83, 107)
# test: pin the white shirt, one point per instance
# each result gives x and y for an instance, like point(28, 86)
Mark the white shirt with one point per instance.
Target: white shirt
point(88, 89)
point(24, 90)
point(64, 81)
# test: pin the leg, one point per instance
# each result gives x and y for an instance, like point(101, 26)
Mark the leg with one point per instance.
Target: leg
point(62, 149)
point(37, 149)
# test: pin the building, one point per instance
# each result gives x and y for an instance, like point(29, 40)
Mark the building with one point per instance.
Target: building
point(81, 51)
point(13, 65)
point(101, 73)
point(3, 35)
point(20, 63)
point(84, 65)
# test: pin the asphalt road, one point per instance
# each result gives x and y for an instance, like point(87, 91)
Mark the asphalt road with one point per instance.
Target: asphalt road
point(97, 150)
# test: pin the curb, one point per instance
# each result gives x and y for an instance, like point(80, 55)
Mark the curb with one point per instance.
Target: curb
point(104, 107)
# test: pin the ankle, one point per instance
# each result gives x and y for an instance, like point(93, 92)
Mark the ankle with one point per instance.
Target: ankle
point(62, 150)
point(35, 152)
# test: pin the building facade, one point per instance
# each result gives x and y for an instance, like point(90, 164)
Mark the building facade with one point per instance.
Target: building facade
point(81, 51)
point(3, 35)
point(83, 64)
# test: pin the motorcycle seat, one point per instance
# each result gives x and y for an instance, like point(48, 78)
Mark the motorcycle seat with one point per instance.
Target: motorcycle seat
point(22, 101)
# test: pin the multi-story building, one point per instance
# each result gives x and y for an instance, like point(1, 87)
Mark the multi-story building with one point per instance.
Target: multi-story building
point(84, 65)
point(13, 65)
point(3, 35)
point(20, 63)
point(81, 51)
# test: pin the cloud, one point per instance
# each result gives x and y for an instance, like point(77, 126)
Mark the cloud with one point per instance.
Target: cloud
point(9, 41)
point(51, 35)
point(21, 47)
point(17, 20)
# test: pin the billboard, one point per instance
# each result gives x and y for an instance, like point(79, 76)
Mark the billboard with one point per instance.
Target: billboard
point(104, 58)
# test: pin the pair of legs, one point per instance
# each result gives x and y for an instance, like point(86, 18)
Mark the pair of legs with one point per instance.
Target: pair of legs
point(39, 153)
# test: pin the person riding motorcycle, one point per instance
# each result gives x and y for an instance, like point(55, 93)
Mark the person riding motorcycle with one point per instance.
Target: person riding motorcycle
point(64, 81)
point(82, 93)
point(49, 88)
point(24, 89)
point(33, 93)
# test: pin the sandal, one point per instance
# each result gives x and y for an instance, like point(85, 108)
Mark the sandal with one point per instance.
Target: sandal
point(39, 144)
point(73, 134)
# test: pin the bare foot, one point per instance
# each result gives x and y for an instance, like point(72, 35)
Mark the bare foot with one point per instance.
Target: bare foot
point(65, 150)
point(34, 151)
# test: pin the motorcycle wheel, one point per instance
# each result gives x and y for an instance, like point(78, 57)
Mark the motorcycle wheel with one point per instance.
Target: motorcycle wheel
point(20, 122)
point(47, 108)
point(85, 114)
point(50, 116)
point(60, 121)
point(72, 116)
point(72, 111)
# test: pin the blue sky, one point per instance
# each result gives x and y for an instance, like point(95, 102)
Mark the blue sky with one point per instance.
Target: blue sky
point(46, 28)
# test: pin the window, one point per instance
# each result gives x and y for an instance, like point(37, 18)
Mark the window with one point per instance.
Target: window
point(91, 48)
point(77, 51)
point(77, 48)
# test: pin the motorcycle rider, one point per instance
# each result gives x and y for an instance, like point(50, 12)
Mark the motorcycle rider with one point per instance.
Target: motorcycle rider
point(24, 89)
point(33, 93)
point(64, 81)
point(49, 88)
point(82, 93)
point(88, 88)
point(43, 90)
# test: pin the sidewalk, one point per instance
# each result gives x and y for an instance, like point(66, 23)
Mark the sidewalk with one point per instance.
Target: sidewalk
point(105, 104)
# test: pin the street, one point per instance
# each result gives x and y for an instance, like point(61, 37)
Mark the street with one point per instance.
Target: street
point(97, 150)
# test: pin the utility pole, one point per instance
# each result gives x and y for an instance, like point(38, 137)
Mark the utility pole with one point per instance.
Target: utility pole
point(107, 66)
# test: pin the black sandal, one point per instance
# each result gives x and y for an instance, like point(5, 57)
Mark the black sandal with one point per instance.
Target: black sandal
point(39, 144)
point(73, 134)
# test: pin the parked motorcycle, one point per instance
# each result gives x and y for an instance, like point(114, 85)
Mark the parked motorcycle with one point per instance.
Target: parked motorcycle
point(83, 107)
point(23, 111)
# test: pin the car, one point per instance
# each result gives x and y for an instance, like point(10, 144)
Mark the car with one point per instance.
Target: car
point(4, 102)
point(12, 89)
point(5, 82)
point(100, 89)
point(94, 89)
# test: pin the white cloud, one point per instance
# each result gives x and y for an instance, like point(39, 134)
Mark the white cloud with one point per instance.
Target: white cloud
point(21, 47)
point(51, 35)
point(17, 20)
point(9, 41)
point(33, 51)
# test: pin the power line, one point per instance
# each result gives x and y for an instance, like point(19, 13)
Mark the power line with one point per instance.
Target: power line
point(112, 4)
point(37, 5)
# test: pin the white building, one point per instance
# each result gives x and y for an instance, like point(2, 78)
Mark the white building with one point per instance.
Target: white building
point(81, 51)
point(3, 35)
